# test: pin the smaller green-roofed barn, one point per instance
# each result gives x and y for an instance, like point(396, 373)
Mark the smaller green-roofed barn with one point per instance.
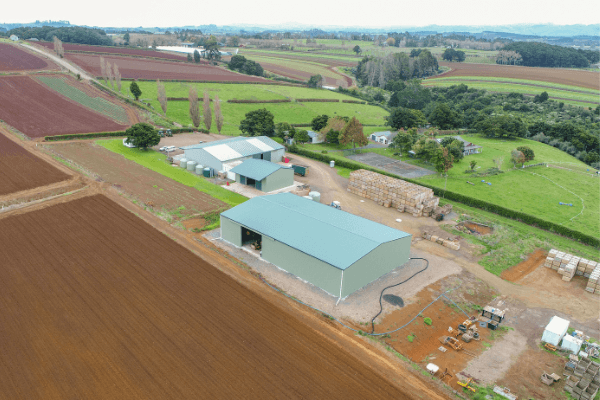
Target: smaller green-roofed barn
point(263, 175)
point(332, 249)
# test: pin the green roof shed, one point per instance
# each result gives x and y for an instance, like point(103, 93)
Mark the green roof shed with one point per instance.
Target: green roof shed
point(332, 249)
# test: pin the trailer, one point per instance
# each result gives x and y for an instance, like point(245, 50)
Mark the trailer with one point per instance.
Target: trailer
point(301, 170)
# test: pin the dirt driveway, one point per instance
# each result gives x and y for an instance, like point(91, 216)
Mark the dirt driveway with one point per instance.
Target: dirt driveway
point(322, 178)
point(389, 164)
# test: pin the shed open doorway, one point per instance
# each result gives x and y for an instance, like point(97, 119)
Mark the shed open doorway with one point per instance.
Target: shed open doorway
point(251, 239)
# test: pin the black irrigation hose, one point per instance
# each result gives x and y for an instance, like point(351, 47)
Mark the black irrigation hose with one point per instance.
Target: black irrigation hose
point(391, 286)
point(372, 333)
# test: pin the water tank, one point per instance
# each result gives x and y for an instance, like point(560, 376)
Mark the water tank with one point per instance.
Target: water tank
point(199, 169)
point(183, 162)
point(206, 172)
point(332, 163)
point(316, 196)
point(191, 165)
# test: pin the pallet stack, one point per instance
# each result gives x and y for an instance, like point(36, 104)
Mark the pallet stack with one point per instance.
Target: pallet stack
point(391, 192)
point(569, 265)
point(583, 381)
point(450, 243)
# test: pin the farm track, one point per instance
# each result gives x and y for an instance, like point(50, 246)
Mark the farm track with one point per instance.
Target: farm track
point(14, 59)
point(136, 68)
point(21, 170)
point(143, 184)
point(37, 111)
point(99, 304)
point(572, 77)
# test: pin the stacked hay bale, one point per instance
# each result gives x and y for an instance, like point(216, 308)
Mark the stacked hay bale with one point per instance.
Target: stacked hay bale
point(569, 265)
point(391, 192)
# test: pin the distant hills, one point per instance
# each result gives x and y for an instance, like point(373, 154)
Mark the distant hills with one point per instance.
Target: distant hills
point(515, 32)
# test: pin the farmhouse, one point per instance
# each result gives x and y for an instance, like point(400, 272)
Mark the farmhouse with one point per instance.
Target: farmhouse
point(14, 38)
point(470, 148)
point(223, 155)
point(384, 137)
point(314, 138)
point(337, 251)
point(263, 175)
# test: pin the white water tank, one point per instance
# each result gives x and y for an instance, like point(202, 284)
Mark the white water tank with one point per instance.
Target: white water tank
point(191, 165)
point(199, 169)
point(332, 163)
point(183, 162)
point(316, 196)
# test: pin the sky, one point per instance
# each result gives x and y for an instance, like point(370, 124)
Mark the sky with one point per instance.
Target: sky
point(383, 13)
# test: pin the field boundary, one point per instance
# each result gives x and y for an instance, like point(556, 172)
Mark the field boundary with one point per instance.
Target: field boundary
point(460, 198)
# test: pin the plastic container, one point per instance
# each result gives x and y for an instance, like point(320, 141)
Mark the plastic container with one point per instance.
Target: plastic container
point(332, 163)
point(183, 162)
point(206, 172)
point(316, 196)
point(191, 165)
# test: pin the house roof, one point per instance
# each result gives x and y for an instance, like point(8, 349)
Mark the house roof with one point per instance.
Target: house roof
point(387, 134)
point(332, 236)
point(468, 145)
point(312, 134)
point(256, 169)
point(237, 147)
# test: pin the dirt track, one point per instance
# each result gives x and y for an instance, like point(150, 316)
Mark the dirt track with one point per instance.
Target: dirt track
point(98, 304)
point(38, 111)
point(21, 170)
point(587, 79)
point(143, 184)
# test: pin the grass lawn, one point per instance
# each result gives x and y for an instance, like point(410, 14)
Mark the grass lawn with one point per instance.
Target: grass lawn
point(157, 162)
point(293, 55)
point(583, 99)
point(536, 191)
point(512, 239)
point(234, 113)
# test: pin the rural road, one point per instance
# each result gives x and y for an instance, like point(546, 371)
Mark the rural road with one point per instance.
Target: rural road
point(60, 61)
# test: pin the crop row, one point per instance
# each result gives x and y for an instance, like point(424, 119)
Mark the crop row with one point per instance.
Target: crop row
point(103, 106)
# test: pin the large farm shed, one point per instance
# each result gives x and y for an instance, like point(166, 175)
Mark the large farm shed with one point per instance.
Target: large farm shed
point(263, 175)
point(332, 249)
point(224, 155)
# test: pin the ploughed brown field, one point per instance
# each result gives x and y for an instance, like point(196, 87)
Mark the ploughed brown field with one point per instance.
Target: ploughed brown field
point(37, 111)
point(136, 68)
point(71, 47)
point(587, 79)
point(97, 304)
point(22, 170)
point(13, 58)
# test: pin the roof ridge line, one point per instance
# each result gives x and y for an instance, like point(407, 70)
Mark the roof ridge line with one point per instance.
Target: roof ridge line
point(310, 216)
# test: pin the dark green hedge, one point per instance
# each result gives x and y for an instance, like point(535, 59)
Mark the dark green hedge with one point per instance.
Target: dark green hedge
point(259, 101)
point(317, 100)
point(103, 134)
point(354, 101)
point(469, 201)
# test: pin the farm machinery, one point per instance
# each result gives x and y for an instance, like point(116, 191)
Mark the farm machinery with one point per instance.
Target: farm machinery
point(467, 384)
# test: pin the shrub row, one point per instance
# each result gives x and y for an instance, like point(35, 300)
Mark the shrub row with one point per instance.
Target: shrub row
point(105, 134)
point(460, 198)
point(183, 99)
point(317, 100)
point(200, 81)
point(84, 136)
point(259, 101)
point(300, 125)
point(354, 101)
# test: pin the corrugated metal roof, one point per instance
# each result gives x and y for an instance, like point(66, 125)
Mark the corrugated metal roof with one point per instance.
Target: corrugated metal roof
point(312, 134)
point(333, 236)
point(256, 169)
point(387, 134)
point(239, 147)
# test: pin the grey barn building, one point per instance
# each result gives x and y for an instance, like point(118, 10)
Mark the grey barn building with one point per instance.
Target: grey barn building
point(224, 155)
point(332, 249)
point(263, 175)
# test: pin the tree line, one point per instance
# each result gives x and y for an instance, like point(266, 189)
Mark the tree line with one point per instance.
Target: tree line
point(71, 34)
point(546, 55)
point(378, 71)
